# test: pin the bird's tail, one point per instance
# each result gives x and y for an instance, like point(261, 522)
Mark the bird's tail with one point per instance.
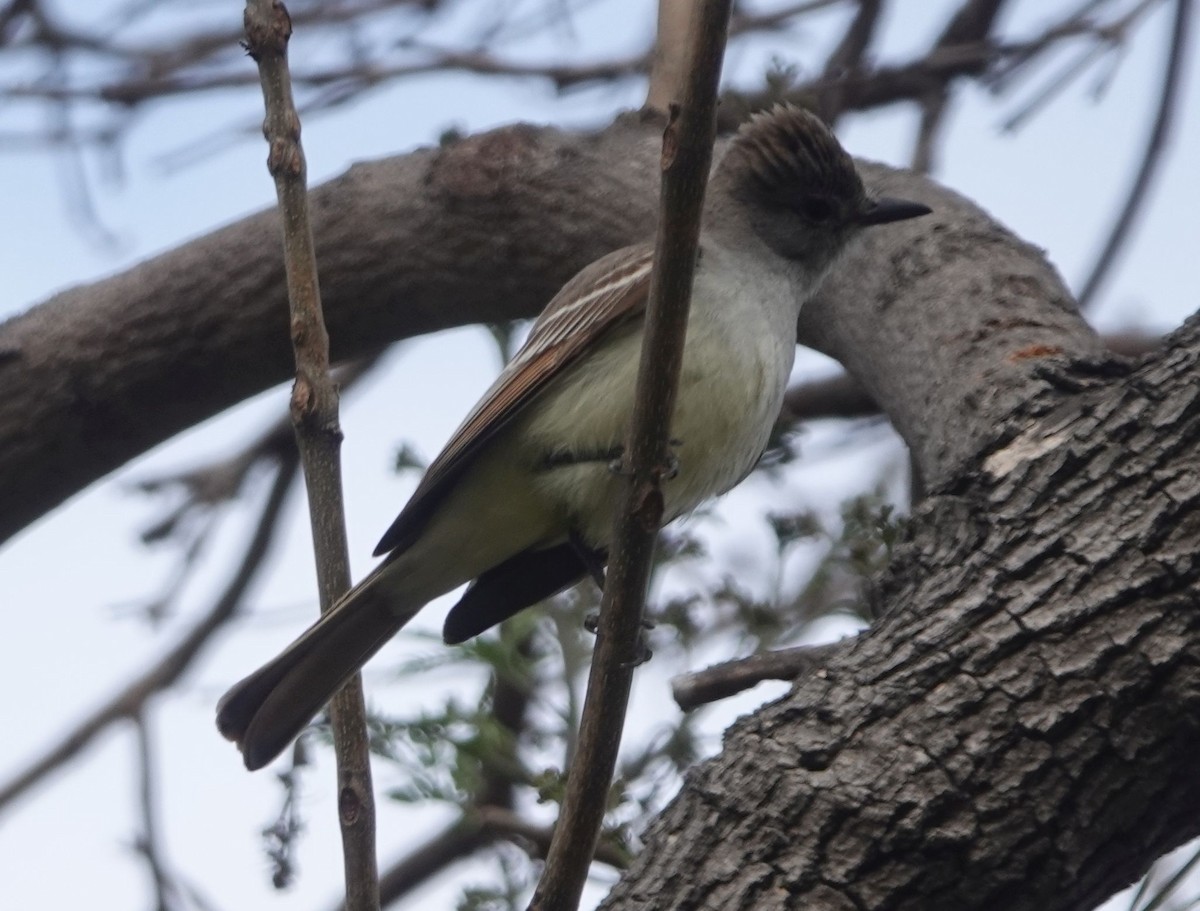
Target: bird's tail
point(264, 712)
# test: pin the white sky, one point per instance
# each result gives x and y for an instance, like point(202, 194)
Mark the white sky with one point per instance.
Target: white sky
point(1057, 183)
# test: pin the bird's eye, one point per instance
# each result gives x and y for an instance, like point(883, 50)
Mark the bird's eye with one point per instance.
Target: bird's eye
point(814, 208)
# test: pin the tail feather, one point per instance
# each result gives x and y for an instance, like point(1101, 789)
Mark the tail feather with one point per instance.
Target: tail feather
point(264, 712)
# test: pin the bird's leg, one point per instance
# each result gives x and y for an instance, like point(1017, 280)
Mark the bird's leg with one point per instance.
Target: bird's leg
point(565, 458)
point(614, 457)
point(617, 466)
point(591, 623)
point(672, 459)
point(593, 559)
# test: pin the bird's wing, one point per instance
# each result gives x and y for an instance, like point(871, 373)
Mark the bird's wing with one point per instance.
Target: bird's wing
point(611, 289)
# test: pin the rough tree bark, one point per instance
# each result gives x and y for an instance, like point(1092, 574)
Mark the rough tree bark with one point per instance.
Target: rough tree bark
point(1015, 732)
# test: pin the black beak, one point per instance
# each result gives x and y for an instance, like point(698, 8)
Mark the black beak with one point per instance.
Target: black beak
point(884, 210)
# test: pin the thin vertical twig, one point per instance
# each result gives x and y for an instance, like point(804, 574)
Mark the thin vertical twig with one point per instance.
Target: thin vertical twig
point(314, 407)
point(1163, 120)
point(149, 843)
point(971, 23)
point(847, 59)
point(686, 157)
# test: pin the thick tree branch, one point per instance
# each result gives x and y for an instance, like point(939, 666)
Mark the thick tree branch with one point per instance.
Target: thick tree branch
point(211, 315)
point(841, 396)
point(219, 300)
point(954, 327)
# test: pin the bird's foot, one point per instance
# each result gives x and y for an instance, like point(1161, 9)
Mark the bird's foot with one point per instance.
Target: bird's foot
point(565, 458)
point(642, 652)
point(614, 459)
point(616, 462)
point(594, 559)
point(591, 622)
point(617, 465)
point(673, 460)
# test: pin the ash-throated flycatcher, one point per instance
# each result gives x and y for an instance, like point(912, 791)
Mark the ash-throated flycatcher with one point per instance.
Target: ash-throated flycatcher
point(520, 502)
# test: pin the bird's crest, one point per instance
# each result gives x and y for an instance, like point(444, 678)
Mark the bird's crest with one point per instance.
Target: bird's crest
point(787, 152)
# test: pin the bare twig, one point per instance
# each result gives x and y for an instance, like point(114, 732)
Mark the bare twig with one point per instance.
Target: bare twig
point(1107, 38)
point(281, 836)
point(847, 58)
point(219, 481)
point(192, 519)
point(501, 822)
point(1163, 890)
point(355, 73)
point(1077, 23)
point(732, 677)
point(879, 86)
point(214, 483)
point(460, 839)
point(1163, 120)
point(200, 61)
point(470, 832)
point(971, 24)
point(687, 154)
point(933, 110)
point(743, 22)
point(148, 842)
point(314, 409)
point(130, 700)
point(171, 891)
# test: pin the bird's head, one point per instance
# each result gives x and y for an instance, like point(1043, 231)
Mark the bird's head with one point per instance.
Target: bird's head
point(799, 189)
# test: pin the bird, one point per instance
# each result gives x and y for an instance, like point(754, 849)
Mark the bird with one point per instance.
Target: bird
point(520, 502)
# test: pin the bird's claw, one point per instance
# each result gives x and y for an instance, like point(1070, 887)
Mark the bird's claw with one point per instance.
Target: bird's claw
point(617, 464)
point(591, 622)
point(642, 653)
